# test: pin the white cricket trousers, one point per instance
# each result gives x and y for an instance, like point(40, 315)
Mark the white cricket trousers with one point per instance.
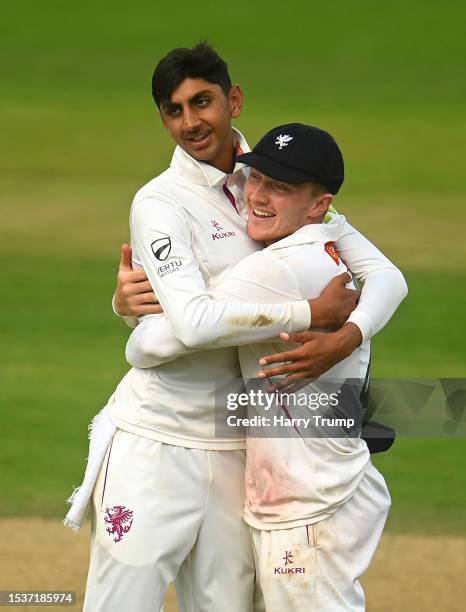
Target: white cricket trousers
point(316, 567)
point(161, 512)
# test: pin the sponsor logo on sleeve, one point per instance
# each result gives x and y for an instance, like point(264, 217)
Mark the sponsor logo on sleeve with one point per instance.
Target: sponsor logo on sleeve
point(169, 268)
point(162, 248)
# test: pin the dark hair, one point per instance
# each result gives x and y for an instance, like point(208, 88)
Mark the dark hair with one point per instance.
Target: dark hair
point(201, 62)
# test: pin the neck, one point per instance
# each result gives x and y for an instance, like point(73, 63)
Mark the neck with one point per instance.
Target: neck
point(226, 160)
point(307, 222)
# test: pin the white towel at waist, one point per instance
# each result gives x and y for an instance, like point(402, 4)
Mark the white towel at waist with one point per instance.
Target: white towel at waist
point(101, 434)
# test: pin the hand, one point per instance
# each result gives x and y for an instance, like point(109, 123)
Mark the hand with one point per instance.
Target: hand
point(134, 295)
point(334, 305)
point(318, 352)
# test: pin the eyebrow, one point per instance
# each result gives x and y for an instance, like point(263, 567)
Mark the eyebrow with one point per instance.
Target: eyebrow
point(195, 98)
point(280, 183)
point(200, 94)
point(272, 181)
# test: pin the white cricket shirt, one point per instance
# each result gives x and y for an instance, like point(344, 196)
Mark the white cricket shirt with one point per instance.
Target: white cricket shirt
point(293, 481)
point(186, 233)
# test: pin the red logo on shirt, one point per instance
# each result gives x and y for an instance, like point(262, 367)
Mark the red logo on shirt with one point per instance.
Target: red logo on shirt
point(331, 250)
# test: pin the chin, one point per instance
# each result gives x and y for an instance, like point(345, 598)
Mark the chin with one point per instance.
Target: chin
point(258, 235)
point(203, 156)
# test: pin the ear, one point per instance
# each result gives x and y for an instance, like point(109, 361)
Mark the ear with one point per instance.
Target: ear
point(235, 101)
point(321, 205)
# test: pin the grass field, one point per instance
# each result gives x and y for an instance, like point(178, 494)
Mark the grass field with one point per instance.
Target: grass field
point(81, 136)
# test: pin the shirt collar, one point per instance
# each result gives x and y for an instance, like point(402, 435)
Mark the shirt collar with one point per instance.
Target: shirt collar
point(202, 173)
point(315, 232)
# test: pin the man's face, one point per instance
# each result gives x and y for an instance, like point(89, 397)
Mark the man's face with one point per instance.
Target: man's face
point(276, 209)
point(198, 117)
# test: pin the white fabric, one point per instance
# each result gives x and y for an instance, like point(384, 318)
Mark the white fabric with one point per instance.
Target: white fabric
point(154, 343)
point(186, 507)
point(291, 481)
point(317, 567)
point(187, 210)
point(294, 481)
point(177, 208)
point(102, 431)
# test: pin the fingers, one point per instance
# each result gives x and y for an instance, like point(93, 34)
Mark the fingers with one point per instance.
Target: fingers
point(343, 279)
point(144, 309)
point(290, 384)
point(287, 368)
point(294, 355)
point(145, 287)
point(300, 369)
point(276, 358)
point(126, 258)
point(298, 337)
point(135, 276)
point(144, 298)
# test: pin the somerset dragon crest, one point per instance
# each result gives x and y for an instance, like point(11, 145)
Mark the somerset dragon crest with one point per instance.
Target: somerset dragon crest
point(120, 520)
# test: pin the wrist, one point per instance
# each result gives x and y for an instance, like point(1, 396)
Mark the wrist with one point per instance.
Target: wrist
point(349, 337)
point(318, 314)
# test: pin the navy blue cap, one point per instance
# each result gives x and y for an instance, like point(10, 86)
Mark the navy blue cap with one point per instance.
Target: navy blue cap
point(298, 153)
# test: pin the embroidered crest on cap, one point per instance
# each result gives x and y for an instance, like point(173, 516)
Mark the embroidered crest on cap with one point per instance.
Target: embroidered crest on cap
point(283, 140)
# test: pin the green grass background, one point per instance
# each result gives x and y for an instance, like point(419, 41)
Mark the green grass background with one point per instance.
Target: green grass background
point(80, 135)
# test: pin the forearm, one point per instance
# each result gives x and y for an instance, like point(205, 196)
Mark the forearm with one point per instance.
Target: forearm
point(384, 286)
point(347, 339)
point(199, 320)
point(154, 343)
point(382, 293)
point(208, 322)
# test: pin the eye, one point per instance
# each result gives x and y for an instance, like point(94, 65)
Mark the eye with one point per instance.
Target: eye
point(172, 111)
point(280, 188)
point(253, 177)
point(203, 102)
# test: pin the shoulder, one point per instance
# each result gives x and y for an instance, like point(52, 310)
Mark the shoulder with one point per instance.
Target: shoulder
point(311, 264)
point(158, 198)
point(267, 271)
point(158, 188)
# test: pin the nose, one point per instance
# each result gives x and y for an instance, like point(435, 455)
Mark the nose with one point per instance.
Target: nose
point(190, 119)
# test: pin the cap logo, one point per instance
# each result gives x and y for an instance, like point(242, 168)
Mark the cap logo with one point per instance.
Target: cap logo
point(283, 140)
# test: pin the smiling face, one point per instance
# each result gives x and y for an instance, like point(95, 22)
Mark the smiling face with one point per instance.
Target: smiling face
point(277, 209)
point(198, 117)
